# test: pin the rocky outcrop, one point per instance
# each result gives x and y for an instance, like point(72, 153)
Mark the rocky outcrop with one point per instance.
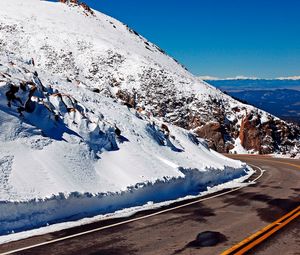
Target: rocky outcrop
point(214, 120)
point(250, 136)
point(86, 8)
point(212, 132)
point(69, 1)
point(269, 137)
point(126, 98)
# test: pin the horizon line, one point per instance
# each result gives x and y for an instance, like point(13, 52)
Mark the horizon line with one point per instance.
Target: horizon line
point(241, 77)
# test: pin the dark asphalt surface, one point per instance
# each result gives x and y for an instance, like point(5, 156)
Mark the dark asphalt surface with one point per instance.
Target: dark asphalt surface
point(225, 220)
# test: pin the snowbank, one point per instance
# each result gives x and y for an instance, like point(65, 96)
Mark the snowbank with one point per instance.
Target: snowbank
point(124, 212)
point(19, 216)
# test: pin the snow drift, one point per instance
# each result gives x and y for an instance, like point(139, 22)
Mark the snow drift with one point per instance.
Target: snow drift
point(68, 151)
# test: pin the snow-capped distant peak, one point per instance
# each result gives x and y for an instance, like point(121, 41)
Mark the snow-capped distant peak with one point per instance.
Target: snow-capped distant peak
point(289, 78)
point(239, 77)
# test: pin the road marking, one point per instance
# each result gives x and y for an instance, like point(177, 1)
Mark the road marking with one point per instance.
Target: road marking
point(265, 158)
point(286, 163)
point(258, 237)
point(131, 220)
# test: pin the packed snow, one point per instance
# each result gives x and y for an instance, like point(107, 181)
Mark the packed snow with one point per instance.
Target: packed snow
point(126, 212)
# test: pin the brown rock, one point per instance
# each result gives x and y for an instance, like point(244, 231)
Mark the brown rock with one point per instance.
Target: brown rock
point(127, 98)
point(228, 146)
point(194, 122)
point(236, 109)
point(249, 133)
point(165, 129)
point(87, 8)
point(69, 1)
point(212, 132)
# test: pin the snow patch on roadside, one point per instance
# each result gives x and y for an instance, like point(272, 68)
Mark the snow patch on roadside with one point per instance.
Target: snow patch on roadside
point(288, 156)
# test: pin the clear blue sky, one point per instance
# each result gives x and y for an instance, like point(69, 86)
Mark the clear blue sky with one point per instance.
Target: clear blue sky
point(218, 37)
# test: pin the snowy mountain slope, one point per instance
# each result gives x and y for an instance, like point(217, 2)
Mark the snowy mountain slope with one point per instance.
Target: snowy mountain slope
point(104, 55)
point(62, 154)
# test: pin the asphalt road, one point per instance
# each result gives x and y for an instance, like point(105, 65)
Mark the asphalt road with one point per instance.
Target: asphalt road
point(229, 218)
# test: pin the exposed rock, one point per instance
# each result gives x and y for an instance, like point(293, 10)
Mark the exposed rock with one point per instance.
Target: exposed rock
point(269, 137)
point(11, 94)
point(87, 8)
point(69, 1)
point(228, 146)
point(194, 122)
point(117, 131)
point(165, 129)
point(126, 98)
point(250, 135)
point(81, 4)
point(212, 132)
point(213, 120)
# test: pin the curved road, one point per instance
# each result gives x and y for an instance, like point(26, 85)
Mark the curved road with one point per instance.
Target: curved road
point(232, 218)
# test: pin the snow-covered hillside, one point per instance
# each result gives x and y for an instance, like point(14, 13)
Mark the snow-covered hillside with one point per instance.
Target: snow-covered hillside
point(68, 151)
point(62, 153)
point(90, 49)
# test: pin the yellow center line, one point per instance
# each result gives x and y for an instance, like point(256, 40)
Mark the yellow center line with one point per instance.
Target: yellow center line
point(286, 163)
point(264, 158)
point(268, 234)
point(281, 162)
point(268, 230)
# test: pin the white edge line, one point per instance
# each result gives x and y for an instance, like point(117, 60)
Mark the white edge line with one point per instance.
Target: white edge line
point(131, 220)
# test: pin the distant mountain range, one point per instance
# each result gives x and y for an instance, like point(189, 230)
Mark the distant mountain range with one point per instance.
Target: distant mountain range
point(280, 97)
point(284, 103)
point(237, 84)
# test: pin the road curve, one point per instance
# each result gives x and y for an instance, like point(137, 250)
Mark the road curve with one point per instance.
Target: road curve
point(230, 218)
